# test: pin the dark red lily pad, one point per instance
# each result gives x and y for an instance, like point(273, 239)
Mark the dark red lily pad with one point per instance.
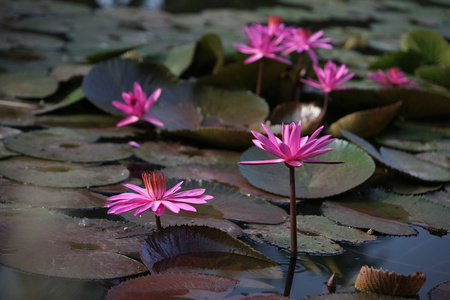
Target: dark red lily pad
point(67, 145)
point(61, 174)
point(72, 248)
point(10, 213)
point(209, 248)
point(14, 192)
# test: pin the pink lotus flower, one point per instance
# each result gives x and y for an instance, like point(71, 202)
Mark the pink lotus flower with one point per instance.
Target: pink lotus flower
point(156, 197)
point(137, 105)
point(330, 77)
point(293, 150)
point(301, 40)
point(262, 44)
point(394, 77)
point(275, 26)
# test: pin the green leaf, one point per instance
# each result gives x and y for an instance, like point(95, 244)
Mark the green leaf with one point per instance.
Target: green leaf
point(439, 75)
point(75, 96)
point(365, 123)
point(27, 85)
point(434, 48)
point(311, 180)
point(408, 61)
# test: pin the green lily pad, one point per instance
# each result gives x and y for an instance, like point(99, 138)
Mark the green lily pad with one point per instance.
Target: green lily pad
point(66, 145)
point(366, 123)
point(408, 61)
point(72, 248)
point(4, 152)
point(288, 112)
point(174, 153)
point(87, 121)
point(225, 174)
point(311, 180)
point(402, 162)
point(413, 104)
point(435, 74)
point(61, 174)
point(392, 207)
point(17, 39)
point(361, 215)
point(433, 47)
point(14, 192)
point(69, 71)
point(27, 85)
point(280, 236)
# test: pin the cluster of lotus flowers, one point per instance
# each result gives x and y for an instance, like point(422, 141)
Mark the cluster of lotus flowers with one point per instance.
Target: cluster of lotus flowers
point(273, 41)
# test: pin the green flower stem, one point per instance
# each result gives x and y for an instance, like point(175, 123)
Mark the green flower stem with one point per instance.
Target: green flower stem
point(293, 212)
point(260, 76)
point(158, 223)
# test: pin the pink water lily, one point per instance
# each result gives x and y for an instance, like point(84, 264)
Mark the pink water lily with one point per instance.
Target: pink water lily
point(137, 106)
point(293, 149)
point(394, 77)
point(301, 40)
point(330, 78)
point(261, 43)
point(155, 197)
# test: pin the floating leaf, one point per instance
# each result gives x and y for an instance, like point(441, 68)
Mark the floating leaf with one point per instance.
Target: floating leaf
point(403, 162)
point(4, 152)
point(14, 192)
point(173, 285)
point(414, 105)
point(72, 248)
point(208, 248)
point(288, 112)
point(27, 85)
point(389, 283)
point(312, 180)
point(224, 174)
point(60, 174)
point(66, 145)
point(440, 292)
point(408, 61)
point(365, 123)
point(75, 96)
point(11, 213)
point(69, 71)
point(174, 153)
point(89, 121)
point(361, 217)
point(280, 236)
point(354, 296)
point(10, 115)
point(436, 74)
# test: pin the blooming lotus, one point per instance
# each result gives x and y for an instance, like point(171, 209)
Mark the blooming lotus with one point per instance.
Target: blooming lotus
point(275, 26)
point(293, 149)
point(137, 106)
point(261, 43)
point(155, 197)
point(394, 77)
point(301, 40)
point(330, 78)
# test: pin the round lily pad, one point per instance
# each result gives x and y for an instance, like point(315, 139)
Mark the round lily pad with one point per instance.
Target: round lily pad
point(10, 213)
point(27, 85)
point(15, 192)
point(61, 174)
point(12, 115)
point(66, 145)
point(311, 180)
point(72, 248)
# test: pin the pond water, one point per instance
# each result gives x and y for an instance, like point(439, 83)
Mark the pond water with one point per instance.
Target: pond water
point(361, 38)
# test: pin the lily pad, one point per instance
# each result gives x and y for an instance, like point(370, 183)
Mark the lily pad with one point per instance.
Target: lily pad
point(13, 114)
point(311, 180)
point(4, 152)
point(288, 112)
point(61, 174)
point(66, 145)
point(162, 248)
point(224, 174)
point(72, 248)
point(366, 123)
point(435, 74)
point(280, 236)
point(403, 162)
point(354, 296)
point(174, 153)
point(75, 96)
point(11, 213)
point(14, 192)
point(173, 285)
point(27, 85)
